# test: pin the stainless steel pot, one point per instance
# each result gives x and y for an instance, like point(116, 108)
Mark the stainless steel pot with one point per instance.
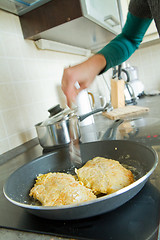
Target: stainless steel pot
point(54, 132)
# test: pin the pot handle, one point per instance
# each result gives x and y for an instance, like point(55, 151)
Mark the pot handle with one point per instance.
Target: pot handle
point(127, 74)
point(82, 117)
point(110, 134)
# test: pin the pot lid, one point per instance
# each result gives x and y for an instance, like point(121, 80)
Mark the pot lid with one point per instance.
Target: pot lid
point(58, 114)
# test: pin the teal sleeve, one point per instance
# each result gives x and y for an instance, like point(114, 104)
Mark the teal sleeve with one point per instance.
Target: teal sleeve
point(122, 46)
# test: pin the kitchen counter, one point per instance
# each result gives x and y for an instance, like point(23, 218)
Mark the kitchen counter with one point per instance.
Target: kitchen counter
point(15, 235)
point(152, 118)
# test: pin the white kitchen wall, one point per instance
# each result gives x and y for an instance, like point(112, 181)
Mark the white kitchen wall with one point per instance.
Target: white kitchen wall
point(29, 83)
point(147, 59)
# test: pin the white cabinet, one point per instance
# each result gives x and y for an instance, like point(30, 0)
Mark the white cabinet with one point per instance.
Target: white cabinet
point(88, 24)
point(151, 33)
point(103, 12)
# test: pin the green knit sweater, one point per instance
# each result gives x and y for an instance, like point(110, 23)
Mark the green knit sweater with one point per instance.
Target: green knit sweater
point(122, 46)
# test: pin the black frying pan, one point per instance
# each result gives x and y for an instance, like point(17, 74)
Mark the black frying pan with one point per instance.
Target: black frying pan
point(140, 159)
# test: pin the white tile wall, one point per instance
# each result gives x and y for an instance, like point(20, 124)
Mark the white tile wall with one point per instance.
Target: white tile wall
point(30, 81)
point(148, 62)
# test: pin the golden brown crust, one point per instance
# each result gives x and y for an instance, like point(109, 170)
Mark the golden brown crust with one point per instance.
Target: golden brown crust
point(99, 175)
point(104, 175)
point(54, 189)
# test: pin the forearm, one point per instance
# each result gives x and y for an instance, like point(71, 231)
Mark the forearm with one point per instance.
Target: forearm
point(113, 54)
point(95, 65)
point(125, 44)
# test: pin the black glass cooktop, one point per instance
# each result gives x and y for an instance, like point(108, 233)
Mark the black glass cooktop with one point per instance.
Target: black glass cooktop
point(137, 219)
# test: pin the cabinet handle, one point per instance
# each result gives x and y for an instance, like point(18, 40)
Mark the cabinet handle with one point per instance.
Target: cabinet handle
point(111, 20)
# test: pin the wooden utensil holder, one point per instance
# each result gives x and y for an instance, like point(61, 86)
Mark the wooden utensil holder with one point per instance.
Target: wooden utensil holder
point(117, 93)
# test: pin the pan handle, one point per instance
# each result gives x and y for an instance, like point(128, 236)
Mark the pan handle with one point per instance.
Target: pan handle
point(82, 117)
point(102, 109)
point(110, 134)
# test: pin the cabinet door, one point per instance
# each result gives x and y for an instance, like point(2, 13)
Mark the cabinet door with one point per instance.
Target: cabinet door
point(103, 12)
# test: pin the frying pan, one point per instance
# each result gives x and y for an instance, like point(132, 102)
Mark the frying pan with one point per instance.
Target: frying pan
point(140, 159)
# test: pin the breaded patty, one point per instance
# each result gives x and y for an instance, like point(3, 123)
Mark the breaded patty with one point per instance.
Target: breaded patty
point(104, 175)
point(54, 189)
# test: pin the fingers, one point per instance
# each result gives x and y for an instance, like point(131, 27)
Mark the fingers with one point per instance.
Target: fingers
point(70, 91)
point(68, 85)
point(71, 76)
point(83, 73)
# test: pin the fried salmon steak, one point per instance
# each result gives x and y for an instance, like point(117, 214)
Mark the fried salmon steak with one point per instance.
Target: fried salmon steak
point(54, 189)
point(104, 175)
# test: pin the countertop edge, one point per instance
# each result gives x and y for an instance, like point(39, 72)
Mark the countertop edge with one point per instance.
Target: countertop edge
point(18, 150)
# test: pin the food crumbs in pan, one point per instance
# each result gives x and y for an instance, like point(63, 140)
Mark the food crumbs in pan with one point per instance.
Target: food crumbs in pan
point(97, 177)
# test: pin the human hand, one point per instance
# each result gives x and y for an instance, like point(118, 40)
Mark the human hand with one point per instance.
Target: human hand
point(84, 74)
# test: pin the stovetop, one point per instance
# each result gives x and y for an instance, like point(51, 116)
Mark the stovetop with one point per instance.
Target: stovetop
point(137, 219)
